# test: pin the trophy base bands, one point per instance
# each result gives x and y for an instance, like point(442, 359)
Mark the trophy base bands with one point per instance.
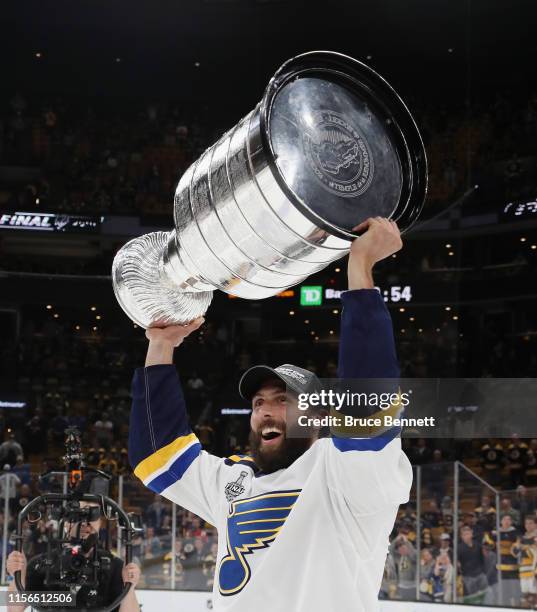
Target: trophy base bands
point(49, 599)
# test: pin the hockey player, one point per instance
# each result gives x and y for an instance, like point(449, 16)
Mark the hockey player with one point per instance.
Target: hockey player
point(303, 523)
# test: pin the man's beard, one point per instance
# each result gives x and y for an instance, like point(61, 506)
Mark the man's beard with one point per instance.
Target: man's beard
point(270, 460)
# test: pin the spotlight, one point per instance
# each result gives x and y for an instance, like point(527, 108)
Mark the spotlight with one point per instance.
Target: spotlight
point(412, 319)
point(533, 247)
point(49, 306)
point(307, 321)
point(93, 308)
point(291, 312)
point(77, 327)
point(335, 311)
point(338, 269)
point(94, 328)
point(38, 55)
point(98, 317)
point(331, 332)
point(403, 331)
point(455, 317)
point(448, 308)
point(523, 239)
point(448, 246)
point(420, 330)
point(451, 253)
point(56, 315)
point(401, 309)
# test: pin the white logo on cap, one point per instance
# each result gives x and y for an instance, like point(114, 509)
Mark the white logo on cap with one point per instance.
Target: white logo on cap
point(293, 374)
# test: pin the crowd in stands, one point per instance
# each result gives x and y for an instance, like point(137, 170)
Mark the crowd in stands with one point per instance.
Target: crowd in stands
point(127, 160)
point(496, 554)
point(93, 160)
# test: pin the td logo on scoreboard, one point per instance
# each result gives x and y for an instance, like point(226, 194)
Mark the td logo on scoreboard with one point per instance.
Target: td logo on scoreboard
point(311, 295)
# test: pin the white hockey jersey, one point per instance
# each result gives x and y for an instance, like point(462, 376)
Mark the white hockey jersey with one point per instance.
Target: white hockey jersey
point(309, 538)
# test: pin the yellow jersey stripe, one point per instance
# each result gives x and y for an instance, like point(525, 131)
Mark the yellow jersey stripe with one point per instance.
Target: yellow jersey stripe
point(159, 458)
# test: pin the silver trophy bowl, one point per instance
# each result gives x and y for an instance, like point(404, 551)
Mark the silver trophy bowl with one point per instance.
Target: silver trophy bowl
point(277, 197)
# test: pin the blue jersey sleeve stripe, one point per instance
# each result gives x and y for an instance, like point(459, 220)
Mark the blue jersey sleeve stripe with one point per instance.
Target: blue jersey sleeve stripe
point(157, 462)
point(366, 444)
point(175, 471)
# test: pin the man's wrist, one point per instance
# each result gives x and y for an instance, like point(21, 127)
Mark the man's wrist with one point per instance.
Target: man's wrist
point(159, 352)
point(360, 275)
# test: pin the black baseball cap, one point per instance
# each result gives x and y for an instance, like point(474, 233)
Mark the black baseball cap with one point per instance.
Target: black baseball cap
point(297, 379)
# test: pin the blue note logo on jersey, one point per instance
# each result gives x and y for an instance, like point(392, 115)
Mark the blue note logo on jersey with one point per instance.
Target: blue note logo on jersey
point(251, 524)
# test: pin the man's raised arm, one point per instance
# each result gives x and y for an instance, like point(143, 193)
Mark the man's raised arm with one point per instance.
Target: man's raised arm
point(163, 451)
point(367, 346)
point(369, 469)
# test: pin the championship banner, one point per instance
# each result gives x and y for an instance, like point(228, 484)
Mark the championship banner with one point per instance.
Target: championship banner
point(50, 222)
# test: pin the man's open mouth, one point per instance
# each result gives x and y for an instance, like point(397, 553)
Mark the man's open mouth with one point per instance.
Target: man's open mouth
point(271, 434)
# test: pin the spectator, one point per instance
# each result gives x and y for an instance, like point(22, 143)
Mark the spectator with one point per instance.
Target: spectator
point(486, 514)
point(405, 559)
point(431, 516)
point(23, 497)
point(104, 429)
point(516, 458)
point(507, 508)
point(420, 453)
point(209, 566)
point(509, 568)
point(108, 464)
point(527, 553)
point(193, 564)
point(442, 578)
point(427, 564)
point(388, 588)
point(492, 459)
point(153, 545)
point(523, 503)
point(9, 484)
point(472, 563)
point(22, 470)
point(10, 450)
point(530, 465)
point(156, 513)
point(478, 530)
point(445, 545)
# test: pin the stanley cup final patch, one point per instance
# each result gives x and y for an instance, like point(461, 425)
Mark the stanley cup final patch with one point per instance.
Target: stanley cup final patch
point(235, 487)
point(338, 154)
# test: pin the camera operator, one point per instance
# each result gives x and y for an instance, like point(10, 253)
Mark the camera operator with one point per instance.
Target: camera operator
point(110, 583)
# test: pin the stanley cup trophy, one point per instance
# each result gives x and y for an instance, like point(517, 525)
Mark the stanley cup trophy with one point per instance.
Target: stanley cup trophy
point(277, 197)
